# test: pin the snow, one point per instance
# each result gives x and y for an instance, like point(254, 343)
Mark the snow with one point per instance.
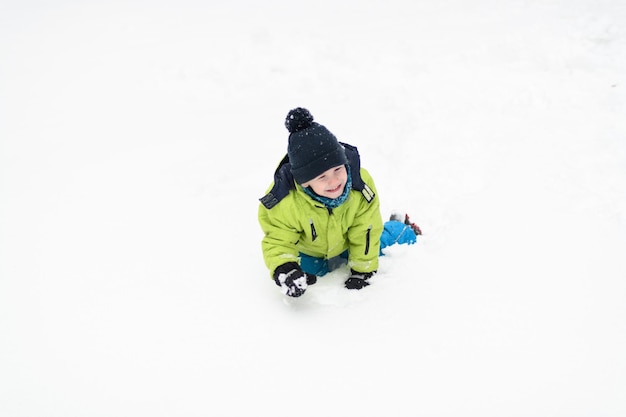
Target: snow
point(136, 138)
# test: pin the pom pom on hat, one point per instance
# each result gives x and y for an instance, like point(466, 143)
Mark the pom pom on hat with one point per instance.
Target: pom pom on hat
point(312, 148)
point(298, 119)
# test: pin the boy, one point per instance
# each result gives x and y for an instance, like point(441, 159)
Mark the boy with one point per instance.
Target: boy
point(321, 211)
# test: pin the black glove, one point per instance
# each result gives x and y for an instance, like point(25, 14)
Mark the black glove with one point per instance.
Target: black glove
point(292, 280)
point(358, 280)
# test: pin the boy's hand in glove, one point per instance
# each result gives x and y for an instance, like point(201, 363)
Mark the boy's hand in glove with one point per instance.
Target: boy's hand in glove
point(292, 280)
point(358, 280)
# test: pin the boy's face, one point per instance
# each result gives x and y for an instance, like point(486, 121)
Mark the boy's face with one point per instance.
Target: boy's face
point(329, 184)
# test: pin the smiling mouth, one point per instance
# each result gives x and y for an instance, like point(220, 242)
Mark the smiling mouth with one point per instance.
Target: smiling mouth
point(334, 190)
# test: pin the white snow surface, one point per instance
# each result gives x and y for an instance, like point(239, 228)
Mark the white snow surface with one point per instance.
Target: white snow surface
point(136, 138)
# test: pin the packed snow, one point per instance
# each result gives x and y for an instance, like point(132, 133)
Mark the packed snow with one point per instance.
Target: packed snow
point(137, 137)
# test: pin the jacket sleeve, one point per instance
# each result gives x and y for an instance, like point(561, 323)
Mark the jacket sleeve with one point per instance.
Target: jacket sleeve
point(365, 231)
point(280, 237)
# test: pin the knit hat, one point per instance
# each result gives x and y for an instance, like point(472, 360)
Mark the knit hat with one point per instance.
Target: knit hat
point(312, 149)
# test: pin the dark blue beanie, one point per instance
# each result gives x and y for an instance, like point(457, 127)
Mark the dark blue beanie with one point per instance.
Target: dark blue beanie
point(312, 149)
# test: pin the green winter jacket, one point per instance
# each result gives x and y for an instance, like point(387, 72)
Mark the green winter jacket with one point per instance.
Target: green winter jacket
point(292, 222)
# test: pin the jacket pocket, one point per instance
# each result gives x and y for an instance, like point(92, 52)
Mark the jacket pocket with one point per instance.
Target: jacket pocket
point(367, 239)
point(313, 231)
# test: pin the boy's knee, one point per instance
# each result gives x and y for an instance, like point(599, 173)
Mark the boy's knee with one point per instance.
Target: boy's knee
point(313, 265)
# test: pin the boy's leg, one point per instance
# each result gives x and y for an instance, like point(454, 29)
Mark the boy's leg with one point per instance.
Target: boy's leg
point(313, 265)
point(397, 232)
point(338, 261)
point(320, 266)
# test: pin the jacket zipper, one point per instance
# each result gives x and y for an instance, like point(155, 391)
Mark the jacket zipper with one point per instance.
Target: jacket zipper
point(367, 239)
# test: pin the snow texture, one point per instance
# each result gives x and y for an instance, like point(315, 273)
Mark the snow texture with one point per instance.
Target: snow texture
point(136, 138)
